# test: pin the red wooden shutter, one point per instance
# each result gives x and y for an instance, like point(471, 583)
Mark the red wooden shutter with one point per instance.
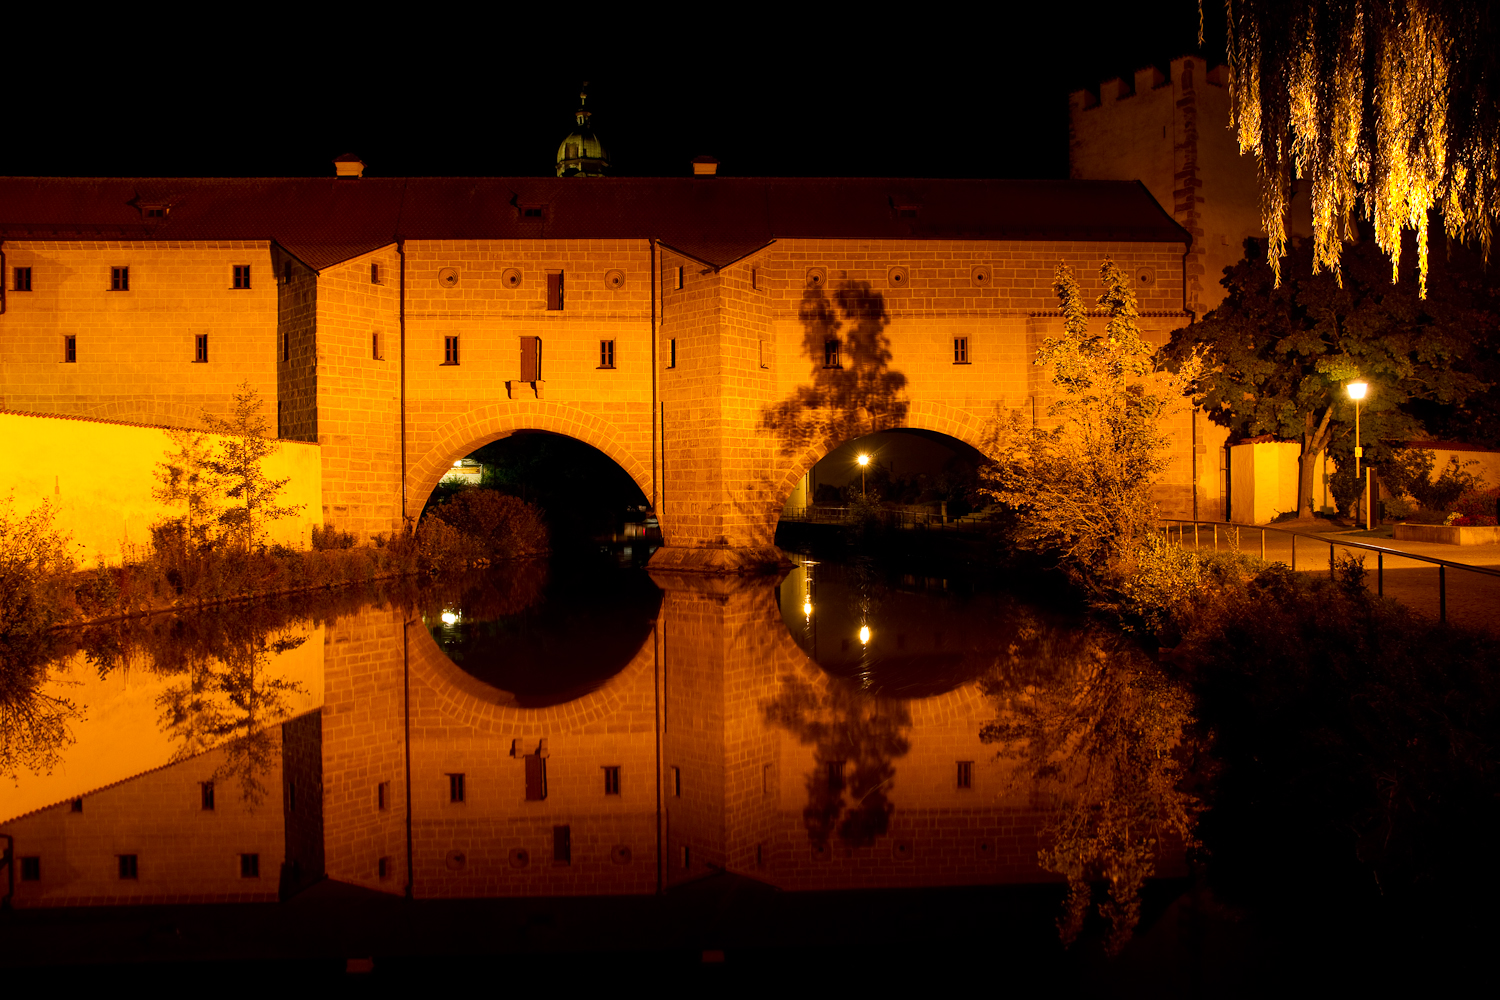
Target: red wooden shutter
point(555, 290)
point(531, 359)
point(536, 778)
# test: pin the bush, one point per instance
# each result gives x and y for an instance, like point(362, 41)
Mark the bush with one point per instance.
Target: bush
point(492, 526)
point(326, 536)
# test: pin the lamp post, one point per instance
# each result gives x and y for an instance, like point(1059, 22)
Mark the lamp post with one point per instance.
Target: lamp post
point(1357, 392)
point(863, 460)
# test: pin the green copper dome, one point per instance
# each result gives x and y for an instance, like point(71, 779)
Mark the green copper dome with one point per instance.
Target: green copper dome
point(581, 154)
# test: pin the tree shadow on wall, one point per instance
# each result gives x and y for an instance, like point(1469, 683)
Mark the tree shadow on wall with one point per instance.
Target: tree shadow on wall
point(858, 737)
point(855, 391)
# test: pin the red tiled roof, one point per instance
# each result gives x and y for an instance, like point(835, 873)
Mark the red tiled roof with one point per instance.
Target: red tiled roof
point(324, 220)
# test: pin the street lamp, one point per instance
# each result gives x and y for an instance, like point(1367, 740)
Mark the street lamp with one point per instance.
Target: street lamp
point(863, 461)
point(1357, 392)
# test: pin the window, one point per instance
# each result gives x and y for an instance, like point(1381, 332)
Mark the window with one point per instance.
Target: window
point(77, 806)
point(119, 279)
point(765, 779)
point(960, 350)
point(679, 277)
point(554, 292)
point(450, 350)
point(200, 349)
point(242, 276)
point(286, 347)
point(374, 273)
point(761, 348)
point(455, 788)
point(672, 353)
point(536, 777)
point(531, 359)
point(375, 347)
point(291, 796)
point(606, 354)
point(383, 868)
point(760, 857)
point(286, 273)
point(128, 866)
point(831, 354)
point(612, 780)
point(835, 776)
point(70, 349)
point(677, 782)
point(755, 278)
point(155, 211)
point(249, 866)
point(966, 774)
point(280, 418)
point(534, 212)
point(22, 281)
point(31, 869)
point(206, 795)
point(562, 845)
point(687, 856)
point(383, 795)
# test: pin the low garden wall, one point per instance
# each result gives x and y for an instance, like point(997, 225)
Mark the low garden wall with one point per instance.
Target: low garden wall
point(1448, 534)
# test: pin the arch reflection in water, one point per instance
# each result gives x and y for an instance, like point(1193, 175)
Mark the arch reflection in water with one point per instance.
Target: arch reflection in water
point(546, 633)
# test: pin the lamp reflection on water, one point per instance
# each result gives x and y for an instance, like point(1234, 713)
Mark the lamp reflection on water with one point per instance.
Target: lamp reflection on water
point(864, 634)
point(450, 618)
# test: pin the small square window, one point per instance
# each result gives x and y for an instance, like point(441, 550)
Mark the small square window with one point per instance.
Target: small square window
point(677, 782)
point(374, 273)
point(383, 868)
point(606, 354)
point(206, 795)
point(22, 281)
point(562, 845)
point(200, 349)
point(960, 350)
point(242, 276)
point(450, 350)
point(155, 211)
point(70, 349)
point(531, 212)
point(129, 868)
point(249, 866)
point(966, 774)
point(31, 869)
point(119, 279)
point(383, 795)
point(554, 290)
point(455, 788)
point(831, 354)
point(612, 780)
point(672, 353)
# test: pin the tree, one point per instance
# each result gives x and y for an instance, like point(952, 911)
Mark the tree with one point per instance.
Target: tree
point(1393, 102)
point(237, 466)
point(188, 481)
point(1085, 487)
point(1280, 355)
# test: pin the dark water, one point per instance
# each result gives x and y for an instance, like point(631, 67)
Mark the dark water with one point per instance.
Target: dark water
point(574, 729)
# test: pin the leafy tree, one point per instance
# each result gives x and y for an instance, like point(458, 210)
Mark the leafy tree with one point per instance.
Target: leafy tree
point(1085, 486)
point(237, 466)
point(188, 481)
point(1281, 355)
point(1393, 103)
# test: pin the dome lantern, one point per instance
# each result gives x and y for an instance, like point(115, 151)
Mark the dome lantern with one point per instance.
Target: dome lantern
point(581, 154)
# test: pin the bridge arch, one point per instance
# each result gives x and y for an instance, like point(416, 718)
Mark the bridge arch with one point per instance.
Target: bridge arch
point(483, 424)
point(960, 424)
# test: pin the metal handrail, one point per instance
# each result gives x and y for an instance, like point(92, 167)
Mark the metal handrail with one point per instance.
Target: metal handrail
point(816, 513)
point(1380, 551)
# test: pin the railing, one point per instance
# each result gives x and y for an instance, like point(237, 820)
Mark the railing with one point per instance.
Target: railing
point(902, 518)
point(1380, 551)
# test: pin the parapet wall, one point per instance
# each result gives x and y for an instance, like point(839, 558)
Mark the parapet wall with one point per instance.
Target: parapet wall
point(99, 475)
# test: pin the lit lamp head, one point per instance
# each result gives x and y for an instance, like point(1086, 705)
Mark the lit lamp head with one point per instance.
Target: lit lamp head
point(864, 634)
point(807, 607)
point(1357, 390)
point(863, 460)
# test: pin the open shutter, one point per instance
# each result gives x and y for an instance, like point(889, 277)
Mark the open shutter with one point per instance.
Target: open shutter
point(555, 290)
point(536, 778)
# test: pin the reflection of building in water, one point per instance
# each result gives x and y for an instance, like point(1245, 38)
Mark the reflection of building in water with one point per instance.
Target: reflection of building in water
point(717, 746)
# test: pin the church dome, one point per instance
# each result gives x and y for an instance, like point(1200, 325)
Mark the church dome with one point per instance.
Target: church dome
point(581, 154)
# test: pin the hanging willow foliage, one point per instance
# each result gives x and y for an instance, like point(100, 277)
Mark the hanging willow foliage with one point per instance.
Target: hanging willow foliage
point(1392, 102)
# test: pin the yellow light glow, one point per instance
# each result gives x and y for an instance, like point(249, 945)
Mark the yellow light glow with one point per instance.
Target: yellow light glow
point(458, 463)
point(807, 607)
point(864, 460)
point(1357, 390)
point(864, 634)
point(449, 618)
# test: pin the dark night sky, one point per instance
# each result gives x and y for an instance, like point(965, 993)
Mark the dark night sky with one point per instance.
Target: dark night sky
point(448, 91)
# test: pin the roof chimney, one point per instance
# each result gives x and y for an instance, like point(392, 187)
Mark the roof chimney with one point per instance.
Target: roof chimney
point(348, 165)
point(705, 166)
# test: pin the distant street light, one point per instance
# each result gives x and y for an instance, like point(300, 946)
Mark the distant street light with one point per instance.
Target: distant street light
point(1357, 392)
point(863, 460)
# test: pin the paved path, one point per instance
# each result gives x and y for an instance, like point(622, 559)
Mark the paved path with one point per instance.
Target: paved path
point(1473, 598)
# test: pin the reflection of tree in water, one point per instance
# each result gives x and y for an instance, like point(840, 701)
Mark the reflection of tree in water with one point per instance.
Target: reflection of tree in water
point(34, 726)
point(857, 739)
point(863, 394)
point(1106, 737)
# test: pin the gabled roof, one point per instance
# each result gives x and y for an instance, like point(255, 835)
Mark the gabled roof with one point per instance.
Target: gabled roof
point(717, 219)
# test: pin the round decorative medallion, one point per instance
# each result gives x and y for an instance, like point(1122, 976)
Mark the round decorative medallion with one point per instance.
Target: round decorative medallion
point(980, 275)
point(816, 277)
point(510, 277)
point(614, 278)
point(519, 857)
point(448, 277)
point(620, 854)
point(1145, 277)
point(900, 277)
